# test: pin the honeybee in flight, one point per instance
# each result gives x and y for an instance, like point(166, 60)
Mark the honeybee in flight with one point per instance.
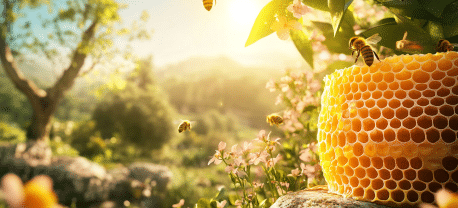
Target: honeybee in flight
point(274, 119)
point(208, 4)
point(185, 125)
point(360, 45)
point(445, 45)
point(407, 45)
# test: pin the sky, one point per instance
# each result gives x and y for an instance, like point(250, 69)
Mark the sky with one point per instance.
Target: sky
point(184, 29)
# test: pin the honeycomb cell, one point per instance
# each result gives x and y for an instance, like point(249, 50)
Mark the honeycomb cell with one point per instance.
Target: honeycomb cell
point(389, 135)
point(358, 149)
point(409, 123)
point(423, 102)
point(363, 137)
point(400, 94)
point(365, 182)
point(434, 85)
point(444, 64)
point(351, 137)
point(418, 185)
point(353, 162)
point(354, 182)
point(393, 86)
point(425, 175)
point(370, 195)
point(395, 123)
point(428, 93)
point(452, 100)
point(366, 95)
point(455, 90)
point(427, 197)
point(403, 135)
point(389, 163)
point(429, 66)
point(414, 94)
point(382, 123)
point(449, 163)
point(382, 86)
point(377, 162)
point(412, 196)
point(404, 75)
point(406, 85)
point(438, 75)
point(441, 175)
point(377, 184)
point(356, 125)
point(443, 92)
point(368, 124)
point(384, 174)
point(448, 136)
point(417, 134)
point(397, 195)
point(401, 113)
point(364, 161)
point(446, 110)
point(420, 76)
point(371, 86)
point(440, 122)
point(377, 77)
point(453, 122)
point(362, 112)
point(370, 103)
point(416, 163)
point(455, 176)
point(431, 111)
point(451, 186)
point(434, 186)
point(388, 113)
point(367, 78)
point(390, 184)
point(402, 163)
point(362, 87)
point(383, 194)
point(416, 111)
point(388, 94)
point(408, 103)
point(410, 174)
point(413, 66)
point(358, 192)
point(378, 94)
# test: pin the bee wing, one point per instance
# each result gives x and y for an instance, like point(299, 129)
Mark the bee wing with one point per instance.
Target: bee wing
point(455, 45)
point(373, 39)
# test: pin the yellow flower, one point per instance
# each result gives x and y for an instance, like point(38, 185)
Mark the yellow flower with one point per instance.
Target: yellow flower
point(282, 27)
point(36, 193)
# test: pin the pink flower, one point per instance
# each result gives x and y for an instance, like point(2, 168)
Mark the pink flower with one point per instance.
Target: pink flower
point(282, 27)
point(257, 157)
point(256, 184)
point(295, 172)
point(179, 204)
point(271, 85)
point(271, 162)
point(247, 146)
point(217, 158)
point(298, 9)
point(221, 204)
point(221, 146)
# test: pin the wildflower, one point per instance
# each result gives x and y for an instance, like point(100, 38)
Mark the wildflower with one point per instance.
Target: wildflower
point(285, 184)
point(271, 85)
point(262, 136)
point(221, 146)
point(247, 146)
point(256, 184)
point(37, 193)
point(239, 161)
point(235, 152)
point(217, 158)
point(282, 27)
point(271, 162)
point(297, 8)
point(179, 204)
point(295, 172)
point(221, 204)
point(257, 157)
point(238, 203)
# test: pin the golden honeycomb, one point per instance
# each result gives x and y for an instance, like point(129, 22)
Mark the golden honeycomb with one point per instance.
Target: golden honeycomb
point(388, 133)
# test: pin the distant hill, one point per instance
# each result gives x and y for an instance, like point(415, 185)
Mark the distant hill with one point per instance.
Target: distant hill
point(198, 67)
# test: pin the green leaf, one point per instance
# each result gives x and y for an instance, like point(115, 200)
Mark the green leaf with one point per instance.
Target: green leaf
point(203, 203)
point(337, 9)
point(339, 43)
point(221, 194)
point(317, 4)
point(303, 45)
point(267, 15)
point(435, 7)
point(435, 31)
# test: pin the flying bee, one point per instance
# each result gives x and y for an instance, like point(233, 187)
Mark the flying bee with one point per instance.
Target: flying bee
point(360, 45)
point(185, 125)
point(445, 45)
point(208, 4)
point(274, 119)
point(407, 45)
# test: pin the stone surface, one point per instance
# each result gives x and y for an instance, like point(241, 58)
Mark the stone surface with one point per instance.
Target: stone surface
point(319, 197)
point(84, 183)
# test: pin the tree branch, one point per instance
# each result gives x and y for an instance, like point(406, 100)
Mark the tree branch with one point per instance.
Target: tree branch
point(68, 77)
point(24, 85)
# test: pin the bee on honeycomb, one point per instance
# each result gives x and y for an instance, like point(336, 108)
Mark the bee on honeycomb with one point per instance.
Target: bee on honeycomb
point(388, 132)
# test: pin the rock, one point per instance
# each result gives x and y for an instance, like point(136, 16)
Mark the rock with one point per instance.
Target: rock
point(320, 198)
point(84, 183)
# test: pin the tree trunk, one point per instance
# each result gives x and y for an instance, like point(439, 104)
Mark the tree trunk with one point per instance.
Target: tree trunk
point(40, 124)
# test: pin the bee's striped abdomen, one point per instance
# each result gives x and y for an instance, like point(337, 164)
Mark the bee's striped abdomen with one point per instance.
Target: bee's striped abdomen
point(367, 54)
point(208, 4)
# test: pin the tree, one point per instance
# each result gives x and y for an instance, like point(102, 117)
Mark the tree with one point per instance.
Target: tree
point(88, 32)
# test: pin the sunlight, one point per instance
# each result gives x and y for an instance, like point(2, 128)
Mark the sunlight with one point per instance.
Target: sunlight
point(243, 12)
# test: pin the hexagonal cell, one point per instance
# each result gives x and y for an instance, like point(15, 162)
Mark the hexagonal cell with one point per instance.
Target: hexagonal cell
point(412, 196)
point(453, 122)
point(418, 185)
point(423, 102)
point(363, 137)
point(390, 184)
point(389, 163)
point(369, 195)
point(416, 111)
point(393, 86)
point(441, 175)
point(381, 123)
point(382, 86)
point(414, 94)
point(427, 197)
point(389, 135)
point(370, 103)
point(417, 135)
point(434, 85)
point(358, 192)
point(420, 76)
point(354, 182)
point(403, 75)
point(425, 175)
point(416, 163)
point(351, 137)
point(396, 174)
point(368, 124)
point(407, 103)
point(364, 161)
point(442, 92)
point(448, 136)
point(403, 135)
point(438, 75)
point(409, 123)
point(358, 149)
point(429, 66)
point(434, 186)
point(353, 162)
point(451, 186)
point(440, 122)
point(401, 113)
point(455, 176)
point(365, 182)
point(356, 125)
point(431, 110)
point(444, 64)
point(371, 86)
point(383, 194)
point(452, 100)
point(429, 93)
point(394, 103)
point(397, 195)
point(376, 135)
point(425, 121)
point(413, 66)
point(377, 184)
point(437, 101)
point(366, 95)
point(449, 163)
point(446, 110)
point(410, 174)
point(455, 90)
point(395, 123)
point(377, 162)
point(388, 113)
point(407, 85)
point(381, 103)
point(357, 96)
point(402, 163)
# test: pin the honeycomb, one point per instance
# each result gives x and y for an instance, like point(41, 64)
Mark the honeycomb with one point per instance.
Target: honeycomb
point(388, 133)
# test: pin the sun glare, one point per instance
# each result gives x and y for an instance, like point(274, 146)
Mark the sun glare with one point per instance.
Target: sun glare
point(243, 12)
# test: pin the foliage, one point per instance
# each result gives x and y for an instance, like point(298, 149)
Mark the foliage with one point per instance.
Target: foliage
point(11, 134)
point(14, 106)
point(138, 114)
point(425, 22)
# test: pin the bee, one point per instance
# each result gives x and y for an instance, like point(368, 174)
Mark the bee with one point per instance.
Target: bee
point(208, 4)
point(445, 45)
point(359, 45)
point(185, 125)
point(407, 45)
point(274, 119)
